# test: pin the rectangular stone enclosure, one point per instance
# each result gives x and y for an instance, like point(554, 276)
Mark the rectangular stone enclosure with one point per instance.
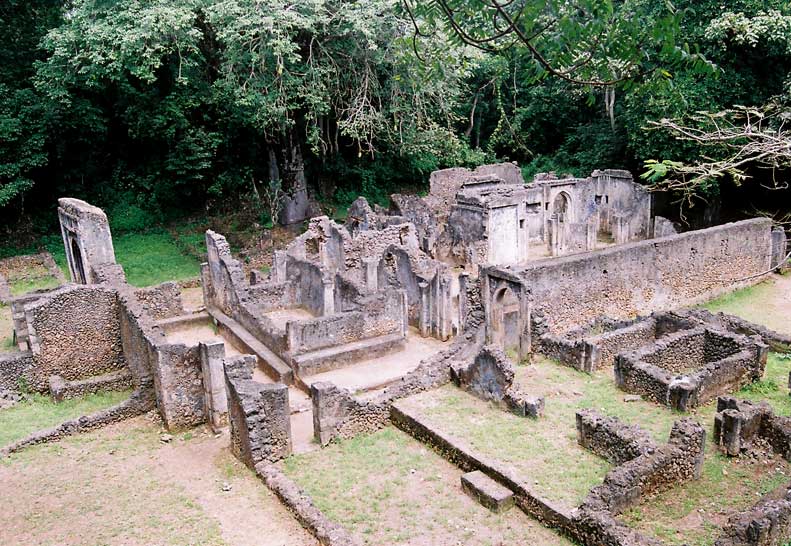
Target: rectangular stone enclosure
point(691, 367)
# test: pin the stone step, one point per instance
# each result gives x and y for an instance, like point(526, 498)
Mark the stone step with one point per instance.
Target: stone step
point(488, 492)
point(268, 361)
point(184, 320)
point(60, 389)
point(340, 356)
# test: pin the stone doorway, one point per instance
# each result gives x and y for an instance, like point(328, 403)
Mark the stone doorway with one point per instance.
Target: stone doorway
point(505, 322)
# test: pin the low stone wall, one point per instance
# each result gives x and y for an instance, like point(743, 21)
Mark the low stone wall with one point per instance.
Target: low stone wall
point(162, 301)
point(738, 424)
point(301, 505)
point(611, 439)
point(60, 389)
point(15, 369)
point(585, 525)
point(662, 468)
point(596, 346)
point(768, 523)
point(339, 414)
point(259, 415)
point(490, 376)
point(140, 402)
point(778, 342)
point(689, 368)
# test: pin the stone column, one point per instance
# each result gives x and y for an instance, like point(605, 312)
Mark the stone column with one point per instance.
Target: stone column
point(371, 273)
point(424, 309)
point(329, 294)
point(216, 399)
point(279, 266)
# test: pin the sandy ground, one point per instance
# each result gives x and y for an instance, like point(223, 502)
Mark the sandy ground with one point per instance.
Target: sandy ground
point(281, 316)
point(6, 330)
point(375, 372)
point(123, 486)
point(768, 303)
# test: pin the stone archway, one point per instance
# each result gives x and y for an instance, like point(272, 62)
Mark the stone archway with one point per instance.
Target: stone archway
point(558, 224)
point(505, 321)
point(77, 263)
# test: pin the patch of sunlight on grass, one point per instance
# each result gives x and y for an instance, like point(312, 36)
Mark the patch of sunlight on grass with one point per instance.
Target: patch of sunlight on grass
point(152, 258)
point(40, 412)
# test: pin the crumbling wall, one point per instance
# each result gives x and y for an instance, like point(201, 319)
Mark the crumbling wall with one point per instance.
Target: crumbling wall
point(259, 415)
point(658, 469)
point(739, 424)
point(612, 439)
point(768, 523)
point(15, 370)
point(161, 301)
point(646, 276)
point(490, 376)
point(75, 333)
point(688, 368)
point(178, 379)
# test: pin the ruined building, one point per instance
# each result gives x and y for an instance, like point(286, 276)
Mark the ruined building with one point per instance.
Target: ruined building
point(458, 285)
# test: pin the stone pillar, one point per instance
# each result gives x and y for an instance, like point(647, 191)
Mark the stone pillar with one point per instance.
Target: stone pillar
point(424, 309)
point(279, 266)
point(591, 235)
point(260, 419)
point(216, 399)
point(329, 294)
point(371, 273)
point(329, 408)
point(779, 247)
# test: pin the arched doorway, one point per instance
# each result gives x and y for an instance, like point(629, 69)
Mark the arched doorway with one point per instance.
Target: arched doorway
point(561, 207)
point(77, 265)
point(558, 223)
point(505, 322)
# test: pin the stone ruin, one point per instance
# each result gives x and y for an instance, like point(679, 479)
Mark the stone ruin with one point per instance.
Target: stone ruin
point(458, 286)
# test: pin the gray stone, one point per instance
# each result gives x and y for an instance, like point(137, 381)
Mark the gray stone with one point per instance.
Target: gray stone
point(488, 492)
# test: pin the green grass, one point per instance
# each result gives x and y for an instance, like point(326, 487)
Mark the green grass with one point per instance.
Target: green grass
point(766, 303)
point(540, 451)
point(543, 452)
point(152, 258)
point(40, 412)
point(23, 286)
point(387, 488)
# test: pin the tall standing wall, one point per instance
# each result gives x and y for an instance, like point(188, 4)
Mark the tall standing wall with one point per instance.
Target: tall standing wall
point(642, 277)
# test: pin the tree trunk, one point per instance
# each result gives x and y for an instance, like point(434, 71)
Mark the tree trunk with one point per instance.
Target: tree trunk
point(296, 207)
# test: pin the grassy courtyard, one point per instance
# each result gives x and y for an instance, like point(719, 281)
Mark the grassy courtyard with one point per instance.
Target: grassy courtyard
point(387, 488)
point(40, 412)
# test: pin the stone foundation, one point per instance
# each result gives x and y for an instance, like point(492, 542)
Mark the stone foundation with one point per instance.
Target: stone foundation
point(691, 367)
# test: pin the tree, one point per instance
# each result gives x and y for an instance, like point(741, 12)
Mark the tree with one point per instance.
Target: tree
point(201, 96)
point(738, 140)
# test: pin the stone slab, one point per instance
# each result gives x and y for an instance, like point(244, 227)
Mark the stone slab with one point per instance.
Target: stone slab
point(488, 492)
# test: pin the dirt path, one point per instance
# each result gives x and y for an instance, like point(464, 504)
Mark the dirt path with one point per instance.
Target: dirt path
point(768, 303)
point(123, 486)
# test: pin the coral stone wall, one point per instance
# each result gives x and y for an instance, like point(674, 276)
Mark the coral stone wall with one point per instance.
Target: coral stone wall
point(646, 276)
point(76, 333)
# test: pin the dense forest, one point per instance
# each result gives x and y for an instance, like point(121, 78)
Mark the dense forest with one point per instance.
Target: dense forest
point(159, 108)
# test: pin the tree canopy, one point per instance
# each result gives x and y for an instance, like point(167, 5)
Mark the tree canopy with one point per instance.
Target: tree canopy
point(171, 105)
